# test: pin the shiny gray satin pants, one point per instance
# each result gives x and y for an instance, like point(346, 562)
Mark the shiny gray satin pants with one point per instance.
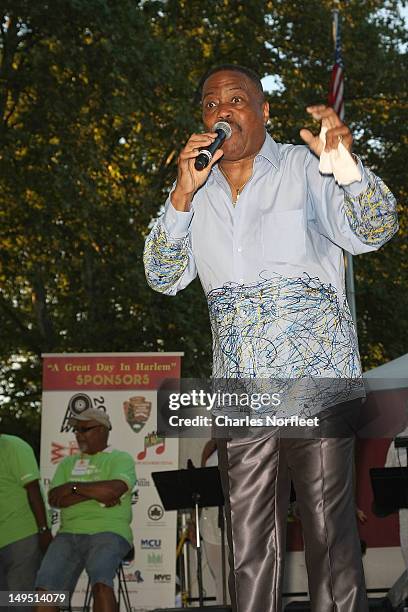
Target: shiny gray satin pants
point(256, 474)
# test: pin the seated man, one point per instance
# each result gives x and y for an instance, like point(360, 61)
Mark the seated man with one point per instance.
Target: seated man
point(93, 491)
point(24, 532)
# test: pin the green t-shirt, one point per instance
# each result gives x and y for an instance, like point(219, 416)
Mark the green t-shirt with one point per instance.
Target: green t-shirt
point(91, 516)
point(18, 467)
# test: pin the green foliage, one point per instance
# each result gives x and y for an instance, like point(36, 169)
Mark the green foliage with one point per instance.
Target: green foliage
point(94, 96)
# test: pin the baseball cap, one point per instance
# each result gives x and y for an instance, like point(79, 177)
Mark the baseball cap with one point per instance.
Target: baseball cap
point(92, 414)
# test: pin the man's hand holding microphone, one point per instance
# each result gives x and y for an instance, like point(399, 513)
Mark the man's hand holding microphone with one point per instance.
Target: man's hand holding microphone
point(195, 161)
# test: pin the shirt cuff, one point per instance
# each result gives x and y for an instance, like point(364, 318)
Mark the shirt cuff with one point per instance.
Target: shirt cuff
point(357, 187)
point(176, 222)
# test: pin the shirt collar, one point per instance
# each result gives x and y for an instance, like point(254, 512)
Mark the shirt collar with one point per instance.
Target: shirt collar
point(107, 449)
point(269, 151)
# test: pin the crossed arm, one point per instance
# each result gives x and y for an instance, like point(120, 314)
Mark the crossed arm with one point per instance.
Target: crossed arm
point(107, 492)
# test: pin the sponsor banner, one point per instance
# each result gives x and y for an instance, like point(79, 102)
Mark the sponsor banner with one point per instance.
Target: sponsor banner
point(109, 370)
point(124, 386)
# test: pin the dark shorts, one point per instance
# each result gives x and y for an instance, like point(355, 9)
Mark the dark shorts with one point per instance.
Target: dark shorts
point(69, 554)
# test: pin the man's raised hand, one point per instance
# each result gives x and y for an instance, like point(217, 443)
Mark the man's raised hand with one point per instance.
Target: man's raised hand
point(337, 131)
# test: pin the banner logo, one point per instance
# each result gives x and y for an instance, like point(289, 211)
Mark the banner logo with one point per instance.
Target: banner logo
point(135, 576)
point(156, 544)
point(162, 578)
point(155, 512)
point(59, 451)
point(155, 558)
point(137, 412)
point(151, 440)
point(77, 404)
point(143, 482)
point(135, 497)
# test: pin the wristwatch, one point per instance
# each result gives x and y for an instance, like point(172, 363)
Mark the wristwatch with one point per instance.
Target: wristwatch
point(74, 489)
point(43, 529)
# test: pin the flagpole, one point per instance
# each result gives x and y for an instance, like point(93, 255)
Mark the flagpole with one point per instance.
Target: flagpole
point(350, 287)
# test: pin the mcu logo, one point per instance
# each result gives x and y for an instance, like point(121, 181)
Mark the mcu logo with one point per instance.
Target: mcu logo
point(162, 578)
point(154, 559)
point(155, 544)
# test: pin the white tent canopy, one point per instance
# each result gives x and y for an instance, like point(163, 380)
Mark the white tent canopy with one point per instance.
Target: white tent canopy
point(391, 375)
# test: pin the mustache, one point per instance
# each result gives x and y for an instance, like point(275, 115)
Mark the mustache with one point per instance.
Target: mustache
point(235, 125)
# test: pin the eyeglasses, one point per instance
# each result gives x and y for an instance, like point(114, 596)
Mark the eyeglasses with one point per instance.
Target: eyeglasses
point(83, 430)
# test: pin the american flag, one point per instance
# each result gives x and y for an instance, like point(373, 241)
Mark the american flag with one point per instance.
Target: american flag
point(336, 91)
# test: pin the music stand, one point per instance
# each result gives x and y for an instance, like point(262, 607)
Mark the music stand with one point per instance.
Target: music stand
point(193, 488)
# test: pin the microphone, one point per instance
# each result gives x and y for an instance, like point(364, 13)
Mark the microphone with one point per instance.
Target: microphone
point(224, 132)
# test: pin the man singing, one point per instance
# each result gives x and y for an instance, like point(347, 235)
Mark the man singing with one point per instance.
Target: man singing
point(265, 230)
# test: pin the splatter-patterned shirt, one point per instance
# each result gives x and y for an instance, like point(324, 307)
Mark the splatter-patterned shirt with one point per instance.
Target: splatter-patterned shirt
point(272, 266)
